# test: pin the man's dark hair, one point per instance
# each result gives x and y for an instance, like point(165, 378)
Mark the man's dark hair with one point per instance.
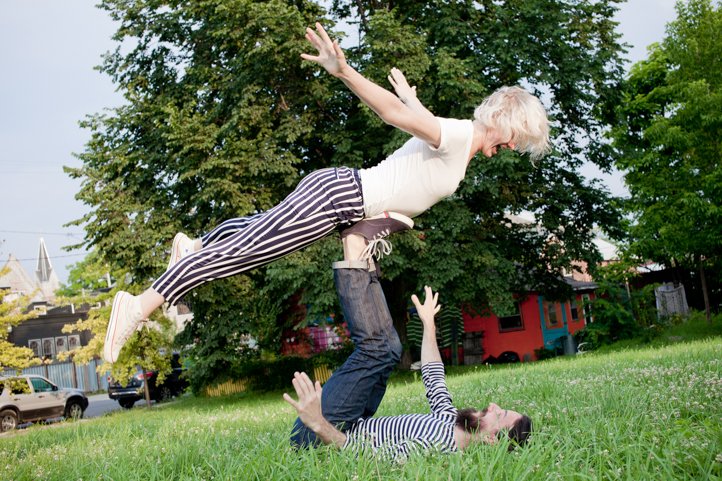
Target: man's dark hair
point(468, 420)
point(519, 432)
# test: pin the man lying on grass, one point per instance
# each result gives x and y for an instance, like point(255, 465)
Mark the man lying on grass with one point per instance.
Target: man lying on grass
point(339, 413)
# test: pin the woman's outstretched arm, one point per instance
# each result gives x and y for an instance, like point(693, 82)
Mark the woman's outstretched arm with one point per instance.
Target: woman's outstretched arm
point(386, 105)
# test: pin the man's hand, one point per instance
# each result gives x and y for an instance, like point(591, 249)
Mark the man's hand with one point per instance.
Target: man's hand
point(330, 56)
point(309, 400)
point(427, 311)
point(308, 407)
point(429, 308)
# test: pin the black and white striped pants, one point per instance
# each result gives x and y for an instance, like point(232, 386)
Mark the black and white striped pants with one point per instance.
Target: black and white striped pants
point(321, 201)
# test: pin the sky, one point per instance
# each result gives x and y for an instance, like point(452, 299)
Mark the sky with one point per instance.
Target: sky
point(48, 51)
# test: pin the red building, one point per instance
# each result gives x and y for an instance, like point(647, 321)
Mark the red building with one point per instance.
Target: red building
point(538, 323)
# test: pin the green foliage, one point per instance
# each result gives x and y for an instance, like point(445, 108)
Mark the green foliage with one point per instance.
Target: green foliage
point(667, 135)
point(448, 320)
point(90, 274)
point(150, 347)
point(222, 118)
point(224, 313)
point(619, 311)
point(544, 353)
point(16, 385)
point(263, 373)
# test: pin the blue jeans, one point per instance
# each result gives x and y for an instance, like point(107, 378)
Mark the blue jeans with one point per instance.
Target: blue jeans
point(355, 390)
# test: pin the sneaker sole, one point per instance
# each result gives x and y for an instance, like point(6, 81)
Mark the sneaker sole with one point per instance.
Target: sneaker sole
point(399, 217)
point(112, 326)
point(384, 215)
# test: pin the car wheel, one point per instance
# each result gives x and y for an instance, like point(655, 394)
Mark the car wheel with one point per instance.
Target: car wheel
point(164, 394)
point(126, 403)
point(73, 410)
point(8, 420)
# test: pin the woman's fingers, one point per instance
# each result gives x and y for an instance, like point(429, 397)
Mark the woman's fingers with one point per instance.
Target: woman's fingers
point(322, 32)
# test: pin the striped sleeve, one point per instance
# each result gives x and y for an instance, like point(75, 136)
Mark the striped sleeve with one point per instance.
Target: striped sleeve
point(397, 436)
point(432, 373)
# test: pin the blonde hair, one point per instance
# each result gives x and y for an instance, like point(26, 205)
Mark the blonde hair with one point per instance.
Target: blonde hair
point(517, 114)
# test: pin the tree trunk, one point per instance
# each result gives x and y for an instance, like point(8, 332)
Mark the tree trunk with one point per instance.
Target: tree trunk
point(146, 388)
point(705, 294)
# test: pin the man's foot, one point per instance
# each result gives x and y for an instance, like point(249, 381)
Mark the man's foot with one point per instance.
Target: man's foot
point(376, 229)
point(182, 246)
point(125, 315)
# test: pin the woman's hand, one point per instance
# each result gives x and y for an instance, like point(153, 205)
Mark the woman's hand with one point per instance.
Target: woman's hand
point(330, 56)
point(403, 90)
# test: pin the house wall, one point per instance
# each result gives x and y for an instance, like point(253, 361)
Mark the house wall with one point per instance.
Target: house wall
point(521, 341)
point(47, 330)
point(536, 332)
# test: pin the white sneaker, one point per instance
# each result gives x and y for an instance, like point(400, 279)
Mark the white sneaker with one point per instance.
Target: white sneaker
point(182, 246)
point(125, 315)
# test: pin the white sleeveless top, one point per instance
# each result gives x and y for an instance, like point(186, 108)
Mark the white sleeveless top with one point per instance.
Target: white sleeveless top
point(417, 176)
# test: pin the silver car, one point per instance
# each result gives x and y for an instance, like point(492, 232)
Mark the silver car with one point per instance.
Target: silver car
point(33, 398)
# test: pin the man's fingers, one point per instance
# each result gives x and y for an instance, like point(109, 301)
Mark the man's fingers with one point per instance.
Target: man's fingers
point(416, 302)
point(291, 401)
point(304, 383)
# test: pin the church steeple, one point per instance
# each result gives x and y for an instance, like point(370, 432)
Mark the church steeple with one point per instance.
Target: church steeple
point(45, 274)
point(44, 268)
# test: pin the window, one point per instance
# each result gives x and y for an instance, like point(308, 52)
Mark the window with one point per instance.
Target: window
point(41, 385)
point(552, 314)
point(574, 309)
point(17, 385)
point(587, 306)
point(511, 321)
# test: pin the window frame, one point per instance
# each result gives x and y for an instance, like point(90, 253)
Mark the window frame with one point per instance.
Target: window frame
point(519, 327)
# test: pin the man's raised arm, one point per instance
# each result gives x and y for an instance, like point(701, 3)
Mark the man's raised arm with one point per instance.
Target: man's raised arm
point(427, 311)
point(309, 410)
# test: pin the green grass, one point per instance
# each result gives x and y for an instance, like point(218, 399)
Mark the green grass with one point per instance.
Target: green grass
point(694, 327)
point(639, 414)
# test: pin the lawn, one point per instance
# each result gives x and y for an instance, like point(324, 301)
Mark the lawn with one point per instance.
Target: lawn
point(640, 414)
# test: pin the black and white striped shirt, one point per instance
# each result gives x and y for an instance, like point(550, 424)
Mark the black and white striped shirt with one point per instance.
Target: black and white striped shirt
point(397, 436)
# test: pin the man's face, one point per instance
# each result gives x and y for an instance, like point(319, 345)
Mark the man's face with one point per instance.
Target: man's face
point(493, 418)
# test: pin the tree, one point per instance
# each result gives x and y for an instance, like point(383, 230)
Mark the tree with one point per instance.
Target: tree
point(150, 348)
point(90, 274)
point(11, 314)
point(667, 139)
point(222, 119)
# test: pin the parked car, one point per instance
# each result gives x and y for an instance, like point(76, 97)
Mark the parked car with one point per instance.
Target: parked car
point(173, 385)
point(33, 398)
